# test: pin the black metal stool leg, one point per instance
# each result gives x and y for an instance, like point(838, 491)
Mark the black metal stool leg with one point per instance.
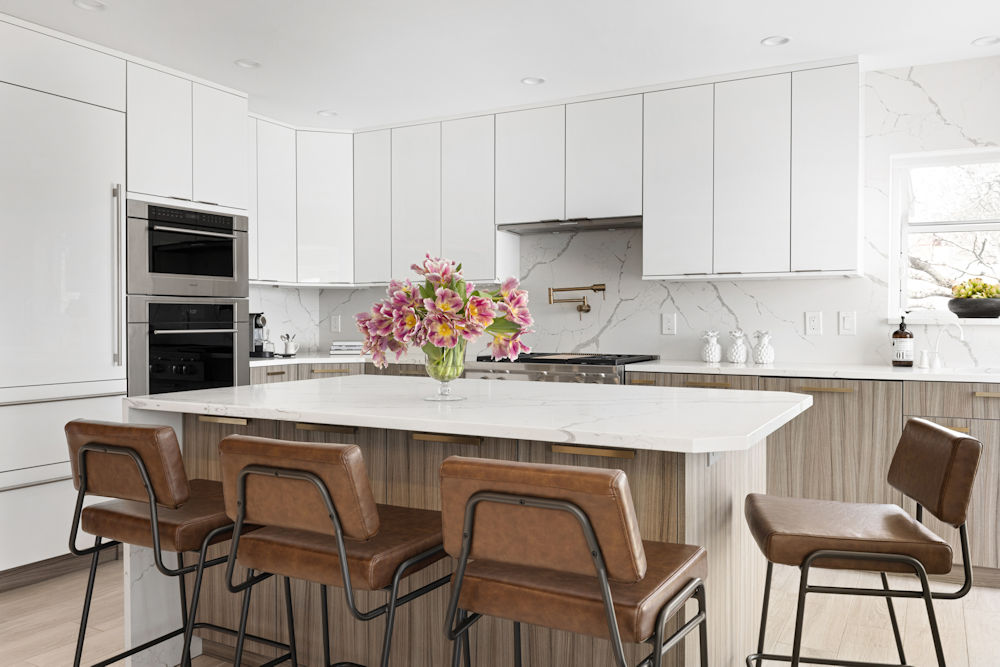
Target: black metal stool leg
point(517, 644)
point(456, 645)
point(291, 623)
point(703, 627)
point(325, 612)
point(86, 604)
point(193, 613)
point(895, 624)
point(183, 590)
point(931, 616)
point(799, 613)
point(242, 635)
point(763, 612)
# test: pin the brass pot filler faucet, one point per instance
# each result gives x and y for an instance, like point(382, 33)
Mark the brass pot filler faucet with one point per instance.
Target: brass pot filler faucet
point(582, 305)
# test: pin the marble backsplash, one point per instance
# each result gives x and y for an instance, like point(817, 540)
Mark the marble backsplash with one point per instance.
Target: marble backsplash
point(944, 106)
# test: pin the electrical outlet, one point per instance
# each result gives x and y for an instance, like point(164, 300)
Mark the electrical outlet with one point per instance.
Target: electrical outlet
point(335, 323)
point(668, 324)
point(814, 323)
point(848, 323)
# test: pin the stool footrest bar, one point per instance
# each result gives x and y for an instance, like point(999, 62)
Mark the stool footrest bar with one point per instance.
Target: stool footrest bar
point(819, 661)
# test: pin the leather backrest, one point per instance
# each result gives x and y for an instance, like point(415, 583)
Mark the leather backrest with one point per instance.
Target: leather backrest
point(538, 537)
point(936, 467)
point(294, 503)
point(115, 475)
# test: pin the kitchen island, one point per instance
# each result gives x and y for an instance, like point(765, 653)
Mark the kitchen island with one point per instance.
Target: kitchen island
point(691, 456)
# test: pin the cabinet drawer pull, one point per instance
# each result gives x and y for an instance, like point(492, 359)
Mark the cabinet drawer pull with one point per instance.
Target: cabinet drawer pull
point(274, 373)
point(326, 428)
point(641, 381)
point(446, 437)
point(828, 390)
point(987, 394)
point(236, 421)
point(332, 371)
point(607, 452)
point(960, 429)
point(709, 385)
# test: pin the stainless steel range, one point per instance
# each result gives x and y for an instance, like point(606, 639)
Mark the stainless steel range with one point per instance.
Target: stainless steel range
point(592, 368)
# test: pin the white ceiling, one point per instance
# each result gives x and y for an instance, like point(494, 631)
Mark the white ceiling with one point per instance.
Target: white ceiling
point(378, 62)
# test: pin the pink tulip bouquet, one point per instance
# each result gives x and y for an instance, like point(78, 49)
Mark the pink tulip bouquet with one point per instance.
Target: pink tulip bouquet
point(441, 315)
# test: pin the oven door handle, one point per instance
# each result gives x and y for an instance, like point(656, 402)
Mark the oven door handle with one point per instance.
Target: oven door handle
point(192, 232)
point(157, 332)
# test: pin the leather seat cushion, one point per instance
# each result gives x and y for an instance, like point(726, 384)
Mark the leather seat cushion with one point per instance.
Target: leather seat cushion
point(789, 529)
point(403, 532)
point(573, 602)
point(181, 529)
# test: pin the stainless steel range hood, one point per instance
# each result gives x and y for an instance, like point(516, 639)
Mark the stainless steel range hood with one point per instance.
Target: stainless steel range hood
point(575, 225)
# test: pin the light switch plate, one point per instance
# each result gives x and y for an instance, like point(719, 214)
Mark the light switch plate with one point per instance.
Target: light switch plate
point(848, 323)
point(668, 324)
point(335, 323)
point(814, 323)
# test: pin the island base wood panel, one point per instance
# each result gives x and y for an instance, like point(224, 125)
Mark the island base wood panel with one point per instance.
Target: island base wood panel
point(695, 499)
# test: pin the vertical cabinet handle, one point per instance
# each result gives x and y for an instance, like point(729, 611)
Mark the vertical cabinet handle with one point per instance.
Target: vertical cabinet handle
point(116, 195)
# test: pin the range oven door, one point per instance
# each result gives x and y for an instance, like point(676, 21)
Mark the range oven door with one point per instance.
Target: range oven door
point(175, 251)
point(178, 344)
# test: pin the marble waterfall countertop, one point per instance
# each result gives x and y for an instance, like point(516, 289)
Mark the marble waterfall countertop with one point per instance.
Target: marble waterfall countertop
point(813, 370)
point(635, 417)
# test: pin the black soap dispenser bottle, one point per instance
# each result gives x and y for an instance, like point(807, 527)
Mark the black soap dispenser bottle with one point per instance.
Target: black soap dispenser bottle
point(902, 345)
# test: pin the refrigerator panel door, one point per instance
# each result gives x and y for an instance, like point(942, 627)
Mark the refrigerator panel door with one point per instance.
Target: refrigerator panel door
point(60, 265)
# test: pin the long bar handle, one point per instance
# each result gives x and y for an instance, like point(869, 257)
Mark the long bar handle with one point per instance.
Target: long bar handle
point(332, 371)
point(274, 373)
point(444, 437)
point(987, 394)
point(607, 452)
point(192, 232)
point(827, 390)
point(236, 421)
point(326, 428)
point(158, 332)
point(709, 385)
point(960, 429)
point(117, 357)
point(641, 381)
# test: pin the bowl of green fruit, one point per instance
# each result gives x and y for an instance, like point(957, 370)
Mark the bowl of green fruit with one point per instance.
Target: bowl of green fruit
point(975, 298)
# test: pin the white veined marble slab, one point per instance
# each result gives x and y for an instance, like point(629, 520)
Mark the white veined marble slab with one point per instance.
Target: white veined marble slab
point(636, 417)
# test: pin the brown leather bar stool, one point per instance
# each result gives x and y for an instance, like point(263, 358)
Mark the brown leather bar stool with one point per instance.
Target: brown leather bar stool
point(156, 506)
point(314, 503)
point(559, 546)
point(932, 465)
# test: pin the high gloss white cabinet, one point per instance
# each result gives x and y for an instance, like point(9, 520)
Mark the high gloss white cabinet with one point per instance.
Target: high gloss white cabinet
point(826, 140)
point(250, 139)
point(753, 174)
point(219, 147)
point(604, 158)
point(531, 165)
point(325, 203)
point(59, 162)
point(677, 223)
point(416, 195)
point(372, 206)
point(276, 224)
point(159, 133)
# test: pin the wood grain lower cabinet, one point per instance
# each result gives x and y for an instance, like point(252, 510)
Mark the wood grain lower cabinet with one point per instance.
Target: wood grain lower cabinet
point(840, 448)
point(269, 374)
point(316, 371)
point(693, 381)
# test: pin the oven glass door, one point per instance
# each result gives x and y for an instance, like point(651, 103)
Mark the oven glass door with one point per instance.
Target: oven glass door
point(179, 249)
point(191, 346)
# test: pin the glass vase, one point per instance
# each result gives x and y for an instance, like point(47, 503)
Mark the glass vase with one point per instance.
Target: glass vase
point(444, 364)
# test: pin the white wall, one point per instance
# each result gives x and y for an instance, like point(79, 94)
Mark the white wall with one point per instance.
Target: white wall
point(933, 107)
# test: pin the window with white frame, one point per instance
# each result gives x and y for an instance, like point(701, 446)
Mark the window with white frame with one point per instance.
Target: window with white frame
point(949, 209)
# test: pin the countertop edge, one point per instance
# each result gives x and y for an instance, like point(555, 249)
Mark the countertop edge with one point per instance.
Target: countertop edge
point(806, 370)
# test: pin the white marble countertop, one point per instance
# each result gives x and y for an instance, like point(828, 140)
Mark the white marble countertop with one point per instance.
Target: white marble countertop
point(813, 370)
point(635, 417)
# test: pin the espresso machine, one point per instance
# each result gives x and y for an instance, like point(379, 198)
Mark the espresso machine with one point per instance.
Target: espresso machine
point(258, 337)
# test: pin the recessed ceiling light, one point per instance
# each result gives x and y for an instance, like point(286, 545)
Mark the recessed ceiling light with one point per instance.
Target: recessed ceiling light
point(532, 80)
point(90, 5)
point(988, 40)
point(326, 113)
point(247, 63)
point(774, 40)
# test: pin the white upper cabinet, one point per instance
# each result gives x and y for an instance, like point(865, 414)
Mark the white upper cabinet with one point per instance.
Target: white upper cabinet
point(325, 184)
point(753, 174)
point(372, 206)
point(277, 247)
point(33, 60)
point(159, 133)
point(251, 175)
point(416, 195)
point(826, 138)
point(219, 147)
point(531, 165)
point(677, 223)
point(604, 158)
point(468, 233)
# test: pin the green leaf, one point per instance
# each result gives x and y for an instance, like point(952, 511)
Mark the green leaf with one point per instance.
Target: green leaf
point(503, 326)
point(427, 290)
